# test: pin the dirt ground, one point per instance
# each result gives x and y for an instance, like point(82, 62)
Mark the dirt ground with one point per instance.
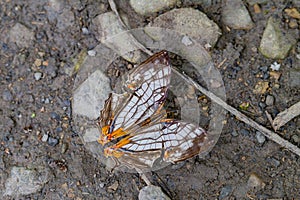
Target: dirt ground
point(33, 107)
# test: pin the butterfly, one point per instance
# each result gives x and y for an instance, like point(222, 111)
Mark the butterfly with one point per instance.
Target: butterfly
point(134, 126)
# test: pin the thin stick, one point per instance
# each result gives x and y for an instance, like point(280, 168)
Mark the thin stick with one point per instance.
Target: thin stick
point(269, 134)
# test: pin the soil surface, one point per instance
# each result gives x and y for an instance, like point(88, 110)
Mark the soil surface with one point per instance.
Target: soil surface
point(36, 113)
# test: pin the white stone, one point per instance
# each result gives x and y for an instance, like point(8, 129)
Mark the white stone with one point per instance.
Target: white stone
point(143, 7)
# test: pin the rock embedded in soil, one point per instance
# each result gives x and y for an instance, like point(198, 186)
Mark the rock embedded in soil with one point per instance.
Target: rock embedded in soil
point(255, 182)
point(45, 137)
point(260, 137)
point(7, 96)
point(88, 98)
point(275, 43)
point(23, 181)
point(152, 192)
point(225, 191)
point(236, 16)
point(252, 2)
point(112, 33)
point(270, 100)
point(189, 22)
point(149, 7)
point(244, 132)
point(21, 35)
point(294, 80)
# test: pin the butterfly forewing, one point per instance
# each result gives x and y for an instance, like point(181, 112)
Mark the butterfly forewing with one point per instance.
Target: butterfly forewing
point(148, 85)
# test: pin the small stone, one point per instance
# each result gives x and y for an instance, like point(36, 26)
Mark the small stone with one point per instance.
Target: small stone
point(275, 43)
point(85, 31)
point(55, 116)
point(234, 133)
point(7, 96)
point(52, 141)
point(244, 132)
point(273, 161)
point(47, 101)
point(21, 35)
point(91, 53)
point(266, 76)
point(296, 138)
point(235, 15)
point(260, 137)
point(187, 21)
point(102, 184)
point(263, 68)
point(38, 75)
point(58, 129)
point(152, 192)
point(225, 191)
point(149, 7)
point(108, 26)
point(255, 182)
point(294, 80)
point(270, 100)
point(45, 137)
point(23, 181)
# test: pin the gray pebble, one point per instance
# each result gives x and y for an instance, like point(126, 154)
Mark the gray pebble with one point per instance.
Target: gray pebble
point(101, 184)
point(225, 191)
point(47, 101)
point(91, 53)
point(152, 192)
point(266, 75)
point(53, 141)
point(38, 75)
point(58, 129)
point(244, 132)
point(260, 137)
point(45, 137)
point(7, 96)
point(55, 116)
point(274, 162)
point(85, 31)
point(296, 138)
point(234, 133)
point(263, 68)
point(262, 105)
point(270, 100)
